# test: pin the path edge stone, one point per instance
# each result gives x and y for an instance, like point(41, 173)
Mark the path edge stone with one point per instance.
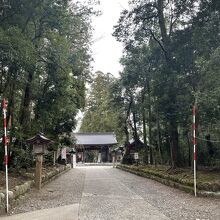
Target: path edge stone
point(168, 182)
point(18, 192)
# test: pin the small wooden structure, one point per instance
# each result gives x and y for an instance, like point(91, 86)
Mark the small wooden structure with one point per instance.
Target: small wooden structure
point(135, 146)
point(118, 153)
point(40, 144)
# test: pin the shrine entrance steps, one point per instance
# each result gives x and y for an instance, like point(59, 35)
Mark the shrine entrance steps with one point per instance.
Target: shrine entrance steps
point(93, 164)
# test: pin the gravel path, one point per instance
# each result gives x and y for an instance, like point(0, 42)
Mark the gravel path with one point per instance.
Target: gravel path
point(65, 190)
point(107, 193)
point(174, 203)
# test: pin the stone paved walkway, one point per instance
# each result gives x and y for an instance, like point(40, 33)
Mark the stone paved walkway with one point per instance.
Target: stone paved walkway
point(105, 193)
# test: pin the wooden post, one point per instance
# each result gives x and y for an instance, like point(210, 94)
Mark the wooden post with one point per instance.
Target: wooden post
point(114, 159)
point(38, 171)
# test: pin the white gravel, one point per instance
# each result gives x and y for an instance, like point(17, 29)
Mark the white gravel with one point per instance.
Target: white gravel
point(109, 193)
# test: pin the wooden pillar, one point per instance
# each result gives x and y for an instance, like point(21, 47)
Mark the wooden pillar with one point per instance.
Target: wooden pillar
point(83, 154)
point(38, 171)
point(109, 157)
point(99, 156)
point(74, 160)
point(114, 158)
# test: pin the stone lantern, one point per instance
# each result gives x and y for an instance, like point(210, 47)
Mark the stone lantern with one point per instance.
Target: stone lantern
point(72, 153)
point(40, 144)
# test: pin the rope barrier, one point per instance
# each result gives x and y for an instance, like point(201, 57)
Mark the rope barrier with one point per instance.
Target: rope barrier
point(214, 141)
point(202, 139)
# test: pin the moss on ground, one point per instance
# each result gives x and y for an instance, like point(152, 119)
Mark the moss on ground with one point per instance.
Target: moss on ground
point(206, 180)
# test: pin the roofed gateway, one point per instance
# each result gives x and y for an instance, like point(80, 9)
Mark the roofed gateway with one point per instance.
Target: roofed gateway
point(94, 147)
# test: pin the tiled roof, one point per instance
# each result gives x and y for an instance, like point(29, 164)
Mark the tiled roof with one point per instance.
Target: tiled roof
point(106, 138)
point(39, 138)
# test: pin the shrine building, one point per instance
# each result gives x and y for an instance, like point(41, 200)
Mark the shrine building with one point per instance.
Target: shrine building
point(94, 147)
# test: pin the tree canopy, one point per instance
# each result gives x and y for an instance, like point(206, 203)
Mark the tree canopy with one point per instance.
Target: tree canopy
point(99, 115)
point(44, 65)
point(169, 66)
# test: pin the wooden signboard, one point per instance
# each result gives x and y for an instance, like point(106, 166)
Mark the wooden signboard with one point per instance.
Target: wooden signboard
point(136, 157)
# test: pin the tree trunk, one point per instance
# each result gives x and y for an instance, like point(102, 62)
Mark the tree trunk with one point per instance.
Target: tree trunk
point(174, 141)
point(209, 145)
point(150, 124)
point(189, 149)
point(10, 117)
point(11, 100)
point(25, 106)
point(126, 134)
point(143, 97)
point(135, 127)
point(159, 139)
point(174, 144)
point(145, 136)
point(163, 30)
point(125, 122)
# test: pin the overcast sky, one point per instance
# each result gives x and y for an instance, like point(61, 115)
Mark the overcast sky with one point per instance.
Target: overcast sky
point(105, 49)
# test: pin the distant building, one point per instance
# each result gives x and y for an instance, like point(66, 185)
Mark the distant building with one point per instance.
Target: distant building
point(94, 147)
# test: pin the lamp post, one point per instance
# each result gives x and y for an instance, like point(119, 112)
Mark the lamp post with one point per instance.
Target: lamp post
point(40, 144)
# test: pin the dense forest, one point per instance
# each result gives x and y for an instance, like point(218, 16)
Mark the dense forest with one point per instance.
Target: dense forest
point(44, 65)
point(170, 64)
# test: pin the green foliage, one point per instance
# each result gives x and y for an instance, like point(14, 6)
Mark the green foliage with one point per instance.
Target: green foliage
point(22, 158)
point(99, 116)
point(171, 62)
point(66, 141)
point(44, 64)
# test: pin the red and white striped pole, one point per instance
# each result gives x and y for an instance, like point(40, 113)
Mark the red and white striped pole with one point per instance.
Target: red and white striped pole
point(194, 145)
point(6, 152)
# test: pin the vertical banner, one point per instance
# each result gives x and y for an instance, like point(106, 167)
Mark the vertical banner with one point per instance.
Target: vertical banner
point(194, 146)
point(63, 153)
point(6, 152)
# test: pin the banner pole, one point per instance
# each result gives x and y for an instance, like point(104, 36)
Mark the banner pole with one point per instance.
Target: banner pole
point(6, 153)
point(194, 147)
